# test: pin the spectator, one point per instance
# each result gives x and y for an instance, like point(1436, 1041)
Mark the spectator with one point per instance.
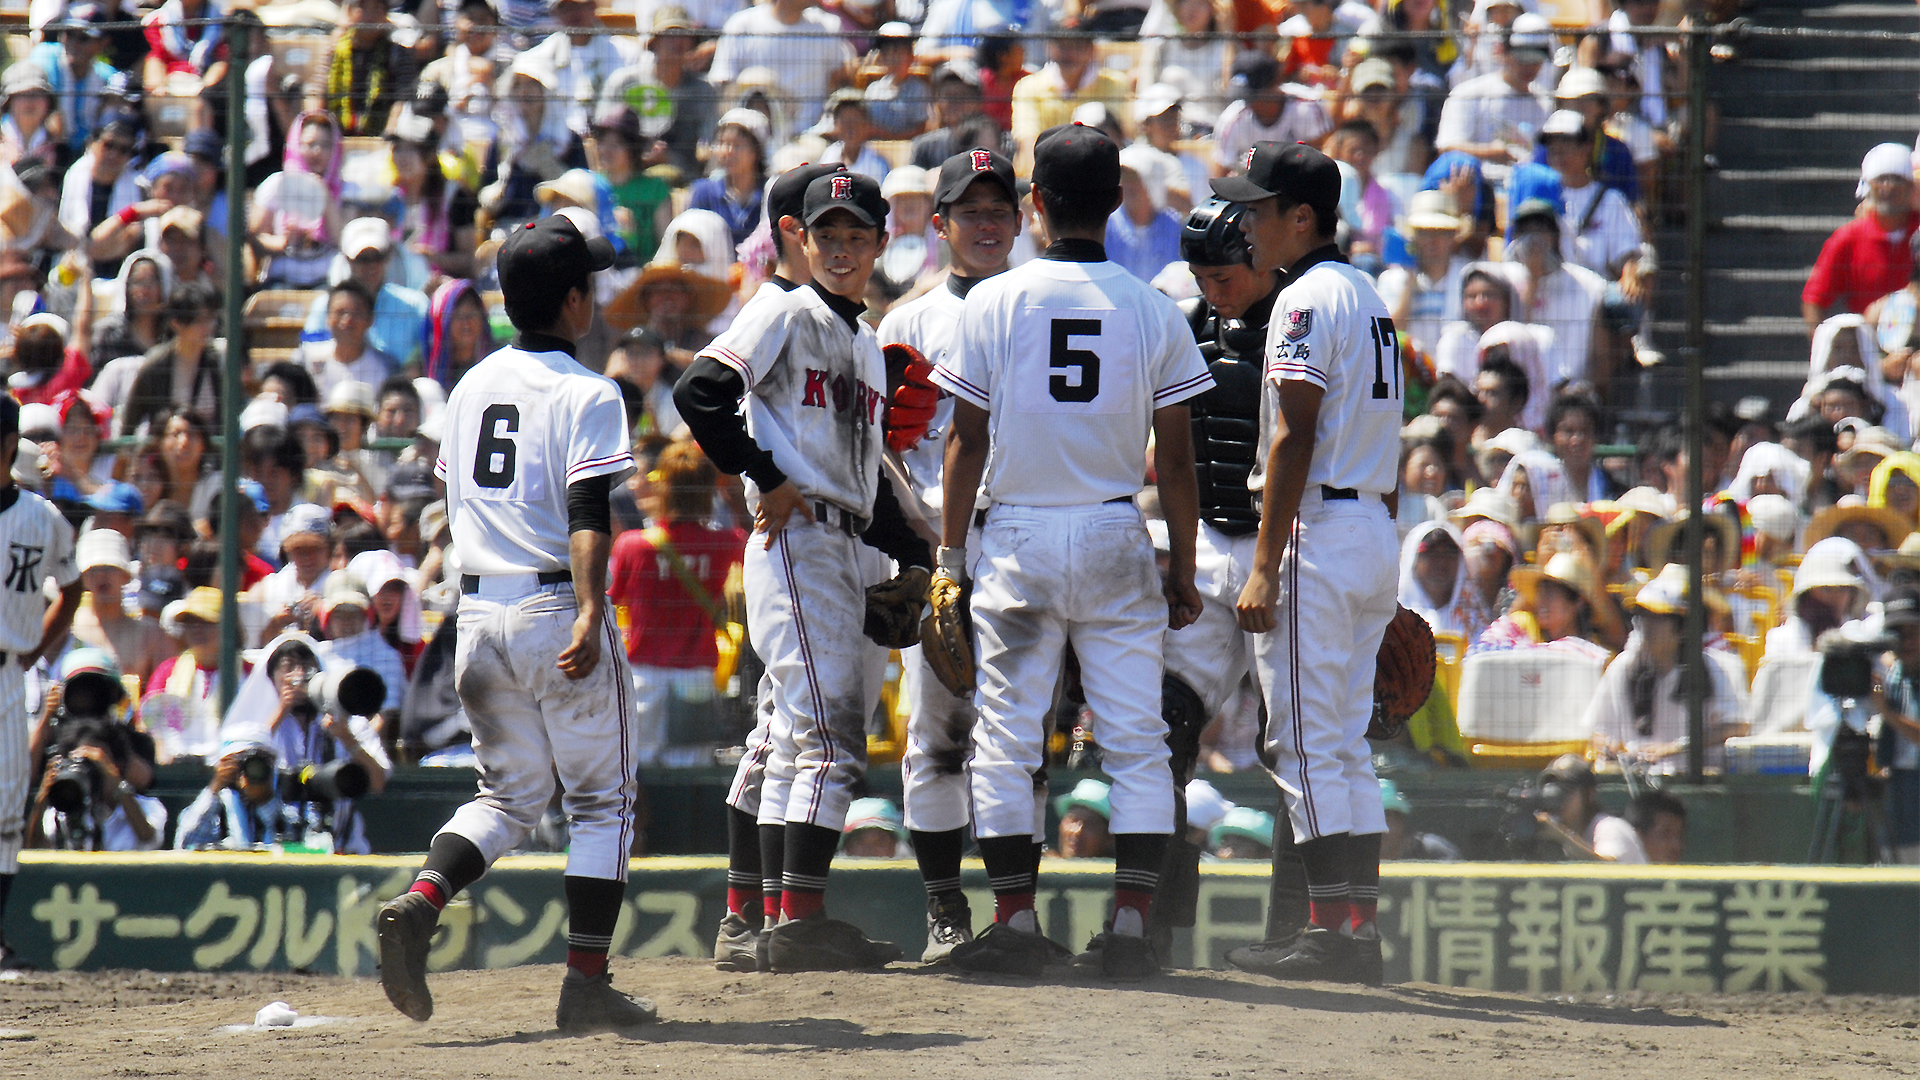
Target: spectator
point(1316, 38)
point(330, 476)
point(146, 284)
point(1426, 449)
point(1454, 405)
point(1562, 297)
point(1191, 46)
point(396, 416)
point(669, 63)
point(137, 645)
point(183, 371)
point(113, 816)
point(799, 43)
point(1573, 424)
point(367, 72)
point(71, 54)
point(1143, 234)
point(395, 613)
point(49, 358)
point(1610, 161)
point(1502, 389)
point(1399, 841)
point(344, 355)
point(84, 421)
point(179, 709)
point(1000, 62)
point(1868, 257)
point(898, 100)
point(852, 123)
point(1648, 51)
point(1070, 79)
point(1433, 576)
point(1495, 116)
point(1536, 483)
point(1427, 296)
point(438, 222)
point(297, 218)
point(399, 328)
point(1554, 610)
point(1355, 144)
point(1829, 590)
point(350, 408)
point(1843, 357)
point(239, 808)
point(1660, 820)
point(1490, 554)
point(643, 202)
point(735, 188)
point(467, 73)
point(1640, 708)
point(957, 114)
point(639, 360)
point(462, 333)
point(28, 106)
point(1084, 813)
point(1263, 111)
point(100, 185)
point(351, 641)
point(1598, 228)
point(954, 27)
point(873, 830)
point(272, 457)
point(585, 61)
point(1572, 794)
point(1243, 833)
point(671, 585)
point(1158, 115)
point(1486, 300)
point(291, 597)
point(1898, 706)
point(185, 38)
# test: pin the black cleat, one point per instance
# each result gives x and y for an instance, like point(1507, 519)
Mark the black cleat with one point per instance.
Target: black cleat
point(1368, 967)
point(405, 925)
point(590, 1003)
point(949, 925)
point(817, 943)
point(1320, 955)
point(1002, 950)
point(1260, 957)
point(1120, 957)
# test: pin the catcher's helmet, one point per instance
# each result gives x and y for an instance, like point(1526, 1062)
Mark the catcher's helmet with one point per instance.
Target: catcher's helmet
point(1212, 236)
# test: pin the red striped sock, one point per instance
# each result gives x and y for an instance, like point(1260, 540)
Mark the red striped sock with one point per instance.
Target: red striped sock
point(1363, 912)
point(1328, 914)
point(432, 892)
point(749, 905)
point(587, 963)
point(1141, 902)
point(799, 905)
point(1006, 905)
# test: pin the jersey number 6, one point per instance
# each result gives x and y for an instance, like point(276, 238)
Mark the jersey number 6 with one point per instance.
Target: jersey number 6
point(492, 445)
point(1087, 386)
point(1386, 360)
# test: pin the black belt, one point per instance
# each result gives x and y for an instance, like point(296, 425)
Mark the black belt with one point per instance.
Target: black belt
point(828, 514)
point(470, 583)
point(1118, 499)
point(980, 516)
point(1334, 494)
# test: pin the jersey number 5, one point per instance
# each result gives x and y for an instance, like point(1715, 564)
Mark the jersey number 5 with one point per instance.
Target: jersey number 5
point(1086, 386)
point(493, 446)
point(1386, 360)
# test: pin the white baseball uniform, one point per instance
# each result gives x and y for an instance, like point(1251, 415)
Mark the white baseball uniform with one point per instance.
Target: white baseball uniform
point(1070, 360)
point(39, 546)
point(521, 427)
point(1339, 574)
point(815, 396)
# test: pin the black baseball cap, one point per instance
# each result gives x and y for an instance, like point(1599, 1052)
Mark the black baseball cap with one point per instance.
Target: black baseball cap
point(1077, 158)
point(958, 173)
point(1293, 171)
point(1253, 72)
point(788, 195)
point(852, 192)
point(547, 253)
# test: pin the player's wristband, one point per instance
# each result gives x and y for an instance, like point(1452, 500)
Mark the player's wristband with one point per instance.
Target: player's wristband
point(951, 562)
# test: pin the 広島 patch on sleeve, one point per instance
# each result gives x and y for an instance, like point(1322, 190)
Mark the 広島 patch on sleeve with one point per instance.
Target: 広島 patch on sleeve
point(1298, 323)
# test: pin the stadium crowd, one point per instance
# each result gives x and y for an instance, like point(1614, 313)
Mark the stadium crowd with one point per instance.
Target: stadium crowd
point(1503, 179)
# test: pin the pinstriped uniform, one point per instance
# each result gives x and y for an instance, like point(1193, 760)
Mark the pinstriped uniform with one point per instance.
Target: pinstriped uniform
point(39, 547)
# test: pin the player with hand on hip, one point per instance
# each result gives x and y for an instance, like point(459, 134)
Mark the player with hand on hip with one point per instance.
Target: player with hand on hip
point(533, 445)
point(977, 212)
point(809, 440)
point(39, 547)
point(1062, 368)
point(1321, 588)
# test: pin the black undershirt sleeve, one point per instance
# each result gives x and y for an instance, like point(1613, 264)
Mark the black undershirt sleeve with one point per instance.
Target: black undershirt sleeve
point(890, 534)
point(589, 508)
point(708, 397)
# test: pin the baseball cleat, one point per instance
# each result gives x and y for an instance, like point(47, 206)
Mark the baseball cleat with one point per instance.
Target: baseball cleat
point(1260, 957)
point(949, 924)
point(738, 946)
point(1002, 950)
point(1368, 966)
point(405, 925)
point(589, 1003)
point(1320, 955)
point(817, 943)
point(1120, 957)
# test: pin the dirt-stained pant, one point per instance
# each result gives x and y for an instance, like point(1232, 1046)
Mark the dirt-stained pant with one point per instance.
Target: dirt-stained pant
point(530, 720)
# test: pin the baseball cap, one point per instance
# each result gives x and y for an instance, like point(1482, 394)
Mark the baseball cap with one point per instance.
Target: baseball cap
point(366, 234)
point(622, 121)
point(159, 590)
point(958, 173)
point(1536, 208)
point(787, 196)
point(1530, 37)
point(205, 143)
point(1564, 123)
point(1296, 171)
point(263, 412)
point(1370, 73)
point(305, 519)
point(857, 194)
point(88, 660)
point(1392, 801)
point(1077, 158)
point(1254, 72)
point(1886, 159)
point(83, 19)
point(1088, 794)
point(1431, 210)
point(895, 30)
point(352, 397)
point(1246, 823)
point(1154, 100)
point(549, 253)
point(1580, 82)
point(873, 813)
point(103, 547)
point(905, 180)
point(575, 185)
point(670, 18)
point(118, 497)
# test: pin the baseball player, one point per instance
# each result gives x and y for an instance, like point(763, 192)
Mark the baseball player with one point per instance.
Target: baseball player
point(39, 547)
point(533, 445)
point(756, 850)
point(1206, 661)
point(977, 212)
point(809, 440)
point(1062, 367)
point(1325, 556)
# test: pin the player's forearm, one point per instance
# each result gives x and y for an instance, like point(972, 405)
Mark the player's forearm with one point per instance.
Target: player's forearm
point(966, 459)
point(1280, 497)
point(1178, 486)
point(59, 619)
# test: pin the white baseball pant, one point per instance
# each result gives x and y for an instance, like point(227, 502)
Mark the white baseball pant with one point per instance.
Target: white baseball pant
point(16, 769)
point(1049, 576)
point(1338, 580)
point(933, 771)
point(806, 612)
point(1213, 653)
point(749, 777)
point(530, 720)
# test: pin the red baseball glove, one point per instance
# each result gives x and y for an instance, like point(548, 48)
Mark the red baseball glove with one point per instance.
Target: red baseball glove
point(1403, 673)
point(911, 397)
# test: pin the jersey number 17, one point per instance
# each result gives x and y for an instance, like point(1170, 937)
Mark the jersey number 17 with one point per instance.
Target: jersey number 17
point(1386, 360)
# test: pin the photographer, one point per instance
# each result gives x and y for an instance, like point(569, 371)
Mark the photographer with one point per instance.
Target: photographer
point(1573, 816)
point(88, 798)
point(239, 808)
point(1898, 704)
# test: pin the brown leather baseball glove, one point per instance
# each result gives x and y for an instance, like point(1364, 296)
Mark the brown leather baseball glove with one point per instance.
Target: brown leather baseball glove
point(893, 608)
point(946, 637)
point(1403, 673)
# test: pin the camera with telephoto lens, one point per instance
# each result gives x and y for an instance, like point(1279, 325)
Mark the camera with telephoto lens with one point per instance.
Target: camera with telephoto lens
point(1847, 665)
point(77, 785)
point(356, 691)
point(257, 767)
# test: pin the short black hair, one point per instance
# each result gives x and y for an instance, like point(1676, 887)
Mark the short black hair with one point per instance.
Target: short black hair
point(1326, 219)
point(1513, 379)
point(397, 384)
point(1075, 211)
point(1722, 420)
point(292, 650)
point(360, 537)
point(298, 379)
point(1363, 128)
point(269, 445)
point(1566, 404)
point(537, 314)
point(9, 416)
point(1448, 387)
point(1814, 430)
point(1649, 805)
point(351, 288)
point(993, 48)
point(190, 300)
